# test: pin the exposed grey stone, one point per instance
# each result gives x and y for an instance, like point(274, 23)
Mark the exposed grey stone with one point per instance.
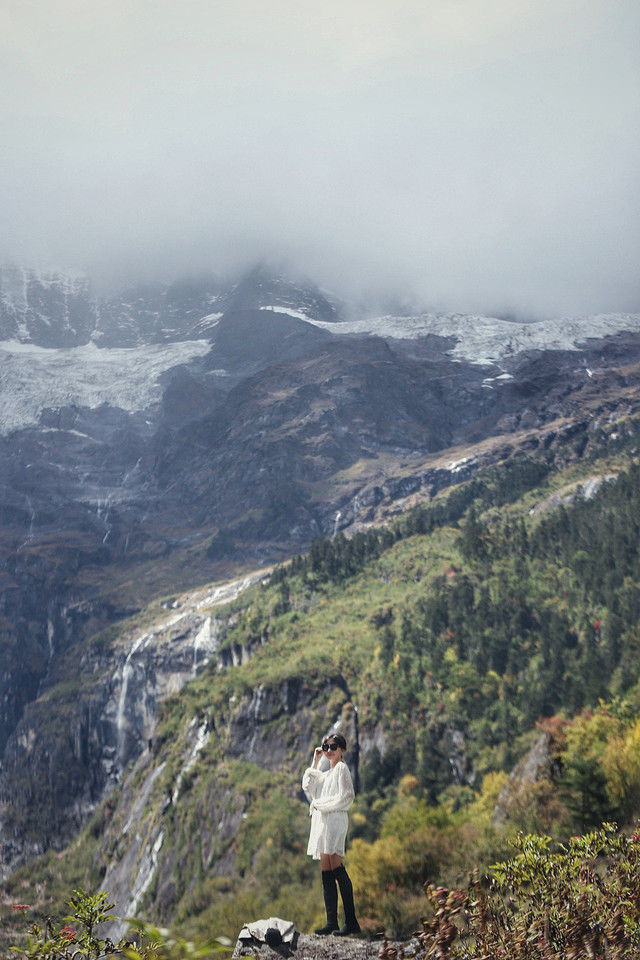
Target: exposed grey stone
point(312, 947)
point(535, 765)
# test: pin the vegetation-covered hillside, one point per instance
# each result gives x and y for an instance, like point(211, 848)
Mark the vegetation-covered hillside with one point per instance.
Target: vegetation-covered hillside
point(493, 624)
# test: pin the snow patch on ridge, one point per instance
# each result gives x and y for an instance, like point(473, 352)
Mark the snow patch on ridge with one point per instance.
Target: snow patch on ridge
point(299, 315)
point(488, 340)
point(32, 377)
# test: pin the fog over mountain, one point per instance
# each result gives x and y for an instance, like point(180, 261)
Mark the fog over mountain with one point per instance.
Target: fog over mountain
point(466, 156)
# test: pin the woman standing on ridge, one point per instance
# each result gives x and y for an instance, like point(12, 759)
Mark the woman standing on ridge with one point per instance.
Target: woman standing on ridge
point(332, 794)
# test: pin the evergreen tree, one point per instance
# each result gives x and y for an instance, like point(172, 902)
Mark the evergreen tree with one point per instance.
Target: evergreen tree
point(584, 791)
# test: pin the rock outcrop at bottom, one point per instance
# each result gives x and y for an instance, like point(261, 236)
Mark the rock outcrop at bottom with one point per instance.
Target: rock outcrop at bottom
point(308, 946)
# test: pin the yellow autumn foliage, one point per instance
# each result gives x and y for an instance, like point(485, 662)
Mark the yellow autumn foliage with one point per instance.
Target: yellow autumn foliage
point(621, 764)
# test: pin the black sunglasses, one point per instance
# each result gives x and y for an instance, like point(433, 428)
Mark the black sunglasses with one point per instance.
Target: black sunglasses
point(329, 746)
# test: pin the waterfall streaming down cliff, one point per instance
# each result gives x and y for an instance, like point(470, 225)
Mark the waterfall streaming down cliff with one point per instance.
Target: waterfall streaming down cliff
point(127, 670)
point(145, 876)
point(257, 703)
point(229, 591)
point(202, 641)
point(201, 739)
point(32, 520)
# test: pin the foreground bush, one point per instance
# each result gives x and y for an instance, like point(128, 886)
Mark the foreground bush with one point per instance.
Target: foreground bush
point(577, 900)
point(77, 937)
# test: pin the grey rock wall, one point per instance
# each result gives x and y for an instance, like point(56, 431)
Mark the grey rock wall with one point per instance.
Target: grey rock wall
point(145, 849)
point(71, 746)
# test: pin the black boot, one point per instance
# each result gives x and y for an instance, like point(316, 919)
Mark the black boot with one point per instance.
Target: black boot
point(330, 891)
point(351, 925)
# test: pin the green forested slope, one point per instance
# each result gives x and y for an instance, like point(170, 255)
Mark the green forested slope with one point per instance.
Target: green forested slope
point(488, 622)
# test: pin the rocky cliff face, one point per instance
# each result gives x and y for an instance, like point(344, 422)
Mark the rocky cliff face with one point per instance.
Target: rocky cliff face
point(52, 310)
point(95, 713)
point(48, 309)
point(534, 767)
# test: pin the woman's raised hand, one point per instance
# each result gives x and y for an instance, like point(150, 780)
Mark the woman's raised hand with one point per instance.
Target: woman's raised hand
point(317, 753)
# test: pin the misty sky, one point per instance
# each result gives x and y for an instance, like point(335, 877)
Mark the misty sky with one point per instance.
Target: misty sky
point(475, 155)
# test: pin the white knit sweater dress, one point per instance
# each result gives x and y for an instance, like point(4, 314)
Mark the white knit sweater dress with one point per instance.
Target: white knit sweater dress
point(332, 794)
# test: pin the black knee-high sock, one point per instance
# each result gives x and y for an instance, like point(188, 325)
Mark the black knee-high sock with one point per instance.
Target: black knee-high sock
point(330, 892)
point(346, 892)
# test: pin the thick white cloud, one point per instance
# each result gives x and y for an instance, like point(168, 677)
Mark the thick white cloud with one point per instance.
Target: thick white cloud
point(479, 156)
